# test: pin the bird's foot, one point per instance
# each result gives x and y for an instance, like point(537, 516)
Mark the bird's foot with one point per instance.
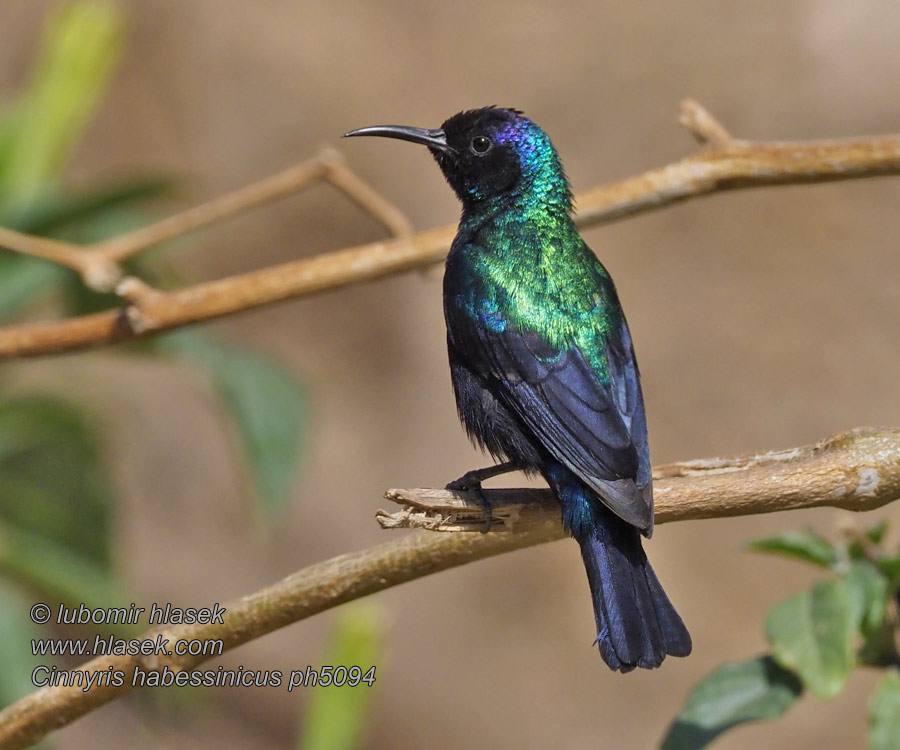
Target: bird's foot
point(471, 482)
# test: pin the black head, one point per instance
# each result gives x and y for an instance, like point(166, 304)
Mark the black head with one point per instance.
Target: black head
point(491, 153)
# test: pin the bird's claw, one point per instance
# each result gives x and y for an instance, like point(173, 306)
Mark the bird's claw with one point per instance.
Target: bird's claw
point(471, 483)
point(466, 483)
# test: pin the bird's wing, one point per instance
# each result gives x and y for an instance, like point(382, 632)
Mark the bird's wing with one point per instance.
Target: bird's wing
point(595, 428)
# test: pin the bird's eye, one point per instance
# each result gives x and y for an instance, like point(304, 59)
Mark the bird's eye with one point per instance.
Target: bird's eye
point(481, 144)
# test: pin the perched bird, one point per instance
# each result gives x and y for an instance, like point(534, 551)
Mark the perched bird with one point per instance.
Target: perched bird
point(543, 367)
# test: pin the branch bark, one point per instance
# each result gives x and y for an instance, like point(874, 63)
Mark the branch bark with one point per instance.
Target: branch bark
point(859, 470)
point(724, 163)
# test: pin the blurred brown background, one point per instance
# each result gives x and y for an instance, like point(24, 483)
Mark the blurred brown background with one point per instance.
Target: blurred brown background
point(762, 319)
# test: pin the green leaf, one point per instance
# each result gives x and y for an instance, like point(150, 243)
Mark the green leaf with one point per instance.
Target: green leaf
point(876, 532)
point(9, 126)
point(869, 593)
point(734, 694)
point(861, 548)
point(337, 715)
point(265, 402)
point(23, 280)
point(49, 569)
point(812, 634)
point(54, 484)
point(803, 545)
point(55, 213)
point(80, 48)
point(16, 632)
point(890, 566)
point(884, 714)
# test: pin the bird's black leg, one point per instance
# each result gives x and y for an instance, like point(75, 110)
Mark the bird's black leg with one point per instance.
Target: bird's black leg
point(471, 482)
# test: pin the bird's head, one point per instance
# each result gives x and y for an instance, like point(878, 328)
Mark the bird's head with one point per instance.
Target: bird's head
point(491, 154)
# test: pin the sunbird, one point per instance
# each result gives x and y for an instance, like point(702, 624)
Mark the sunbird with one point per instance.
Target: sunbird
point(543, 366)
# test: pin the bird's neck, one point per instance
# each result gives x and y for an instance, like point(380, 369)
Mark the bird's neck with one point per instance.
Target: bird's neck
point(520, 212)
point(519, 222)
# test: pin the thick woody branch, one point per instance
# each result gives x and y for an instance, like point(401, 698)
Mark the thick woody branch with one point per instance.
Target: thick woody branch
point(859, 471)
point(724, 163)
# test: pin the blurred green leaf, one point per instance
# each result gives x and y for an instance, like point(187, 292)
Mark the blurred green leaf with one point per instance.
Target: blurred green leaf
point(890, 566)
point(812, 634)
point(869, 593)
point(265, 401)
point(884, 714)
point(876, 532)
point(9, 125)
point(52, 570)
point(80, 48)
point(802, 545)
point(16, 632)
point(22, 280)
point(75, 216)
point(860, 548)
point(53, 481)
point(733, 694)
point(337, 715)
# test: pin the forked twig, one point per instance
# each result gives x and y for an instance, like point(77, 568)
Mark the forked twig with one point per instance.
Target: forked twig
point(99, 262)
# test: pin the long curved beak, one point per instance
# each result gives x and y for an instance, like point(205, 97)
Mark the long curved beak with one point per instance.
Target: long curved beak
point(431, 138)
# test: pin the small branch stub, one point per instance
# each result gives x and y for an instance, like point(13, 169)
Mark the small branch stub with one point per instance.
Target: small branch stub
point(140, 298)
point(705, 128)
point(452, 510)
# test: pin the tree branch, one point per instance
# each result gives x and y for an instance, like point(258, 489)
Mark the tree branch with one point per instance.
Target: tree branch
point(724, 163)
point(859, 470)
point(99, 262)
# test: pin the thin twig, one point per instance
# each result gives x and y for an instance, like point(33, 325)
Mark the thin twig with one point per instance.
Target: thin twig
point(62, 253)
point(705, 128)
point(258, 193)
point(99, 262)
point(859, 470)
point(328, 165)
point(724, 164)
point(364, 195)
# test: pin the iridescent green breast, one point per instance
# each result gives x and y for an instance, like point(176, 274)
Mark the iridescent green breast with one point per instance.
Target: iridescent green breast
point(539, 276)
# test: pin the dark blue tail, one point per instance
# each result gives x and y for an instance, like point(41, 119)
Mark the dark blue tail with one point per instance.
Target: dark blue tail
point(637, 626)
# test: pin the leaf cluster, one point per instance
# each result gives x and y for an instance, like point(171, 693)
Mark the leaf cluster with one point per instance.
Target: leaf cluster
point(817, 638)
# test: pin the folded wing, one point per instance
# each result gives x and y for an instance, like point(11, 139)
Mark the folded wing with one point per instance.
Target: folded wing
point(594, 424)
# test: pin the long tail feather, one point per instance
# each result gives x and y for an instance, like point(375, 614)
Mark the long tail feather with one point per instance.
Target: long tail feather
point(637, 626)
